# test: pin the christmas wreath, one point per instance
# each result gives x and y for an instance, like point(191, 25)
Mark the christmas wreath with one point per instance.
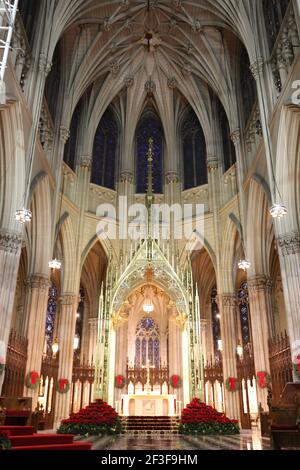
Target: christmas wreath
point(263, 379)
point(296, 366)
point(175, 381)
point(63, 386)
point(120, 381)
point(33, 380)
point(232, 384)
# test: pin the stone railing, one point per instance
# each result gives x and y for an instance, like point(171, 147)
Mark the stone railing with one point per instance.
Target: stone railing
point(285, 49)
point(21, 53)
point(229, 184)
point(199, 194)
point(253, 133)
point(69, 182)
point(100, 195)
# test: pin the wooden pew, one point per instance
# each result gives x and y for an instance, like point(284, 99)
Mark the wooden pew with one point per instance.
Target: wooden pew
point(285, 419)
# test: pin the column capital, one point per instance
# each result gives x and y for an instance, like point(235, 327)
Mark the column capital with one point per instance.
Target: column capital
point(10, 241)
point(228, 300)
point(212, 163)
point(259, 284)
point(69, 299)
point(289, 244)
point(38, 281)
point(172, 177)
point(257, 67)
point(64, 134)
point(236, 136)
point(126, 177)
point(86, 162)
point(45, 65)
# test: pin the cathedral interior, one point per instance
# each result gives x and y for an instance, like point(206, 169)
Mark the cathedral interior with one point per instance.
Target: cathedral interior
point(109, 109)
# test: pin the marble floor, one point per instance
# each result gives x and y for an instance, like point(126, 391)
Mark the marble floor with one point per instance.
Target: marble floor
point(246, 441)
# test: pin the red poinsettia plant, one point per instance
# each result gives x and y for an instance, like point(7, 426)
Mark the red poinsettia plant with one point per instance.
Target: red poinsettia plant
point(296, 366)
point(201, 419)
point(96, 419)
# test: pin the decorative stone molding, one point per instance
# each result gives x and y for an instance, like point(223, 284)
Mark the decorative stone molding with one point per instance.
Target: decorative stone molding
point(150, 87)
point(172, 177)
point(129, 81)
point(212, 163)
point(172, 83)
point(196, 26)
point(10, 242)
point(228, 300)
point(259, 284)
point(114, 67)
point(64, 134)
point(289, 244)
point(126, 177)
point(45, 66)
point(69, 299)
point(187, 70)
point(236, 136)
point(38, 282)
point(86, 162)
point(257, 67)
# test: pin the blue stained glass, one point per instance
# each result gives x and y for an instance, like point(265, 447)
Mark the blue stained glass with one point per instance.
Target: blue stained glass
point(137, 353)
point(144, 352)
point(156, 353)
point(105, 151)
point(50, 319)
point(149, 126)
point(194, 152)
point(150, 351)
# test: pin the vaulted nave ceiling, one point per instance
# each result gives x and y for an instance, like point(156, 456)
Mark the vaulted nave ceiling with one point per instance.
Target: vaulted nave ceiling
point(151, 46)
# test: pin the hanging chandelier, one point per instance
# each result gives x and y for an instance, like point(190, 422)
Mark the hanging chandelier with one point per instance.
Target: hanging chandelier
point(244, 265)
point(23, 216)
point(278, 211)
point(55, 264)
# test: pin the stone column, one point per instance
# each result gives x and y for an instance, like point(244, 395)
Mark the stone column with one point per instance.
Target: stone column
point(66, 333)
point(260, 309)
point(36, 301)
point(10, 249)
point(93, 336)
point(229, 340)
point(289, 249)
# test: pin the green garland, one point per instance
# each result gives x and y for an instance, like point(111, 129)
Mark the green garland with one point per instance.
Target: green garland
point(81, 429)
point(2, 369)
point(296, 368)
point(209, 429)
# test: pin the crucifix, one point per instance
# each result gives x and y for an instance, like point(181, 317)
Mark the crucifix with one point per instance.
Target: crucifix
point(148, 384)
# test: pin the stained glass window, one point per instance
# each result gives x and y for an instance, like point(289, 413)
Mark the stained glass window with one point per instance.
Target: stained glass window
point(50, 319)
point(194, 152)
point(149, 126)
point(243, 299)
point(274, 11)
point(137, 352)
point(248, 86)
point(216, 326)
point(147, 344)
point(229, 154)
point(105, 151)
point(71, 145)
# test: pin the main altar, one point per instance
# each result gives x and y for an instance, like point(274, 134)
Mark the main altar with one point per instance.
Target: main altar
point(148, 405)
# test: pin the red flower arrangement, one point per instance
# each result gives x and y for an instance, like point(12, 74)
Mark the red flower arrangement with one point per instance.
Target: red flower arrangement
point(33, 380)
point(96, 419)
point(120, 381)
point(201, 419)
point(175, 381)
point(263, 379)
